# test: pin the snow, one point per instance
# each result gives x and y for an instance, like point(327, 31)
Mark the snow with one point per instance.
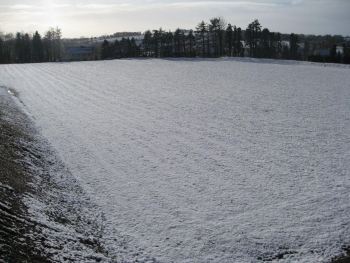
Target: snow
point(200, 160)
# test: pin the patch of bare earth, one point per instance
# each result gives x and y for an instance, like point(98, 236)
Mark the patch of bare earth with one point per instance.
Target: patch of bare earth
point(44, 214)
point(344, 259)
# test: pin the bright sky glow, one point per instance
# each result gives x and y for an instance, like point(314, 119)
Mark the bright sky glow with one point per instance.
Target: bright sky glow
point(94, 18)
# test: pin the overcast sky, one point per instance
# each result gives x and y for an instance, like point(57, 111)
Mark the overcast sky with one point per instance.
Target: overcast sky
point(98, 17)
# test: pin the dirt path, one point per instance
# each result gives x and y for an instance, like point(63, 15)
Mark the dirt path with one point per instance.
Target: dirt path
point(44, 214)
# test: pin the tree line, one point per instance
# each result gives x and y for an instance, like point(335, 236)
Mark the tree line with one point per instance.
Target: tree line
point(214, 39)
point(25, 48)
point(219, 38)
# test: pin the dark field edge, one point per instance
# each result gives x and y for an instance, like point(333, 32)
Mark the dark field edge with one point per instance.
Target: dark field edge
point(27, 171)
point(344, 259)
point(15, 224)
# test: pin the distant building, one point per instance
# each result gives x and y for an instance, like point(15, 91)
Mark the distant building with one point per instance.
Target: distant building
point(79, 53)
point(340, 49)
point(322, 52)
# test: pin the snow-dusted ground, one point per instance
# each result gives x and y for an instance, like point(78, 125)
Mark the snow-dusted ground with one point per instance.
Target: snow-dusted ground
point(202, 160)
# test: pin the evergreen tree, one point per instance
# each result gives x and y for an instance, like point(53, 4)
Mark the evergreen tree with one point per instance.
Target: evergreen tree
point(238, 45)
point(294, 46)
point(333, 53)
point(229, 40)
point(134, 48)
point(19, 48)
point(177, 42)
point(183, 42)
point(128, 44)
point(214, 32)
point(234, 41)
point(285, 52)
point(278, 45)
point(269, 44)
point(208, 45)
point(162, 38)
point(265, 43)
point(252, 38)
point(192, 41)
point(48, 46)
point(52, 44)
point(27, 48)
point(38, 48)
point(105, 50)
point(256, 38)
point(156, 42)
point(125, 47)
point(346, 54)
point(2, 60)
point(168, 38)
point(249, 39)
point(221, 34)
point(201, 33)
point(9, 52)
point(146, 43)
point(117, 49)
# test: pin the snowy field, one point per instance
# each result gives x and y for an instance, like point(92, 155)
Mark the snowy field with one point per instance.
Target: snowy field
point(229, 160)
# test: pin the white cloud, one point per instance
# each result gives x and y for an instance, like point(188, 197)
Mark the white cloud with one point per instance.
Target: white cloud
point(87, 17)
point(26, 7)
point(99, 6)
point(224, 3)
point(59, 6)
point(17, 15)
point(295, 2)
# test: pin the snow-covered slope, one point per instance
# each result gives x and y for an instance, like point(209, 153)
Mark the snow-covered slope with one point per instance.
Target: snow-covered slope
point(202, 160)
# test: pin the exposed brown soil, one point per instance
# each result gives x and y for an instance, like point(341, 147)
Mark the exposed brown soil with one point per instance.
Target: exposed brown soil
point(16, 246)
point(27, 172)
point(345, 259)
